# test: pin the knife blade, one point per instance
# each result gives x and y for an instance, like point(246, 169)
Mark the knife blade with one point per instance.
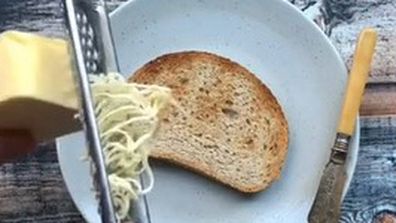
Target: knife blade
point(326, 205)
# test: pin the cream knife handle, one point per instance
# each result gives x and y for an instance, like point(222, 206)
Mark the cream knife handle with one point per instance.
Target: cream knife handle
point(357, 80)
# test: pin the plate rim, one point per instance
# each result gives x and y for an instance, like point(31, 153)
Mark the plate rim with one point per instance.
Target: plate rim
point(290, 6)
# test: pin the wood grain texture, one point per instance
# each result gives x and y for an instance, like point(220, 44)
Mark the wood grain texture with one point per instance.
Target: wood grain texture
point(379, 99)
point(358, 14)
point(342, 21)
point(32, 189)
point(373, 189)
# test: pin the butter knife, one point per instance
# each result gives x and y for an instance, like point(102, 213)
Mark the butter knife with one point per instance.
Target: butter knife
point(326, 206)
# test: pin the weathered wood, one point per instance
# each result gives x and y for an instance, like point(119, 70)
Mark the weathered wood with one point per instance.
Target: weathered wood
point(379, 14)
point(379, 99)
point(382, 17)
point(343, 20)
point(32, 190)
point(373, 187)
point(45, 17)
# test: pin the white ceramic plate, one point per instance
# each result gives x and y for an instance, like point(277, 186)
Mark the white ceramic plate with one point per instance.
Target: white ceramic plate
point(288, 53)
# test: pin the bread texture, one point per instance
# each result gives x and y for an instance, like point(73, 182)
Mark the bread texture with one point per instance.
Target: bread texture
point(225, 123)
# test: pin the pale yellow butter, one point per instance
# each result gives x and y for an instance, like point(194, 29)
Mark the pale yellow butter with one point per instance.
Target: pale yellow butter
point(37, 90)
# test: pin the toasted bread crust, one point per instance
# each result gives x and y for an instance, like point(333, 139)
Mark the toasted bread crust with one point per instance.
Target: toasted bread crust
point(227, 111)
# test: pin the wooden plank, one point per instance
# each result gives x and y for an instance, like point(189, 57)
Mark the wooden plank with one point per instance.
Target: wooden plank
point(343, 21)
point(379, 99)
point(32, 190)
point(380, 16)
point(22, 15)
point(373, 188)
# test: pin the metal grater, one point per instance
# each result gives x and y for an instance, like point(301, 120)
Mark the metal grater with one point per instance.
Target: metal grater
point(94, 53)
point(90, 34)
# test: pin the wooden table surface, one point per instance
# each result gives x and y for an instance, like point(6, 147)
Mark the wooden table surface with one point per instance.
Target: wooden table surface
point(341, 20)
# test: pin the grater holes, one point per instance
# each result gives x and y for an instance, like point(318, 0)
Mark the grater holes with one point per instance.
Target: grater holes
point(78, 17)
point(88, 54)
point(87, 66)
point(83, 42)
point(94, 67)
point(95, 55)
point(90, 43)
point(83, 30)
point(88, 46)
point(91, 67)
point(90, 32)
point(84, 19)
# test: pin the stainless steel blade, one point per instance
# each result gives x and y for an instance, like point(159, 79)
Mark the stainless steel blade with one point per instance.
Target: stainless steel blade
point(326, 206)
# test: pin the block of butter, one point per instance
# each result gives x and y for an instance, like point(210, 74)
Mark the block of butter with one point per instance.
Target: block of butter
point(37, 89)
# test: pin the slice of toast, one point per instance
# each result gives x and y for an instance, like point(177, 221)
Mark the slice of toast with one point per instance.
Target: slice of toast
point(225, 124)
